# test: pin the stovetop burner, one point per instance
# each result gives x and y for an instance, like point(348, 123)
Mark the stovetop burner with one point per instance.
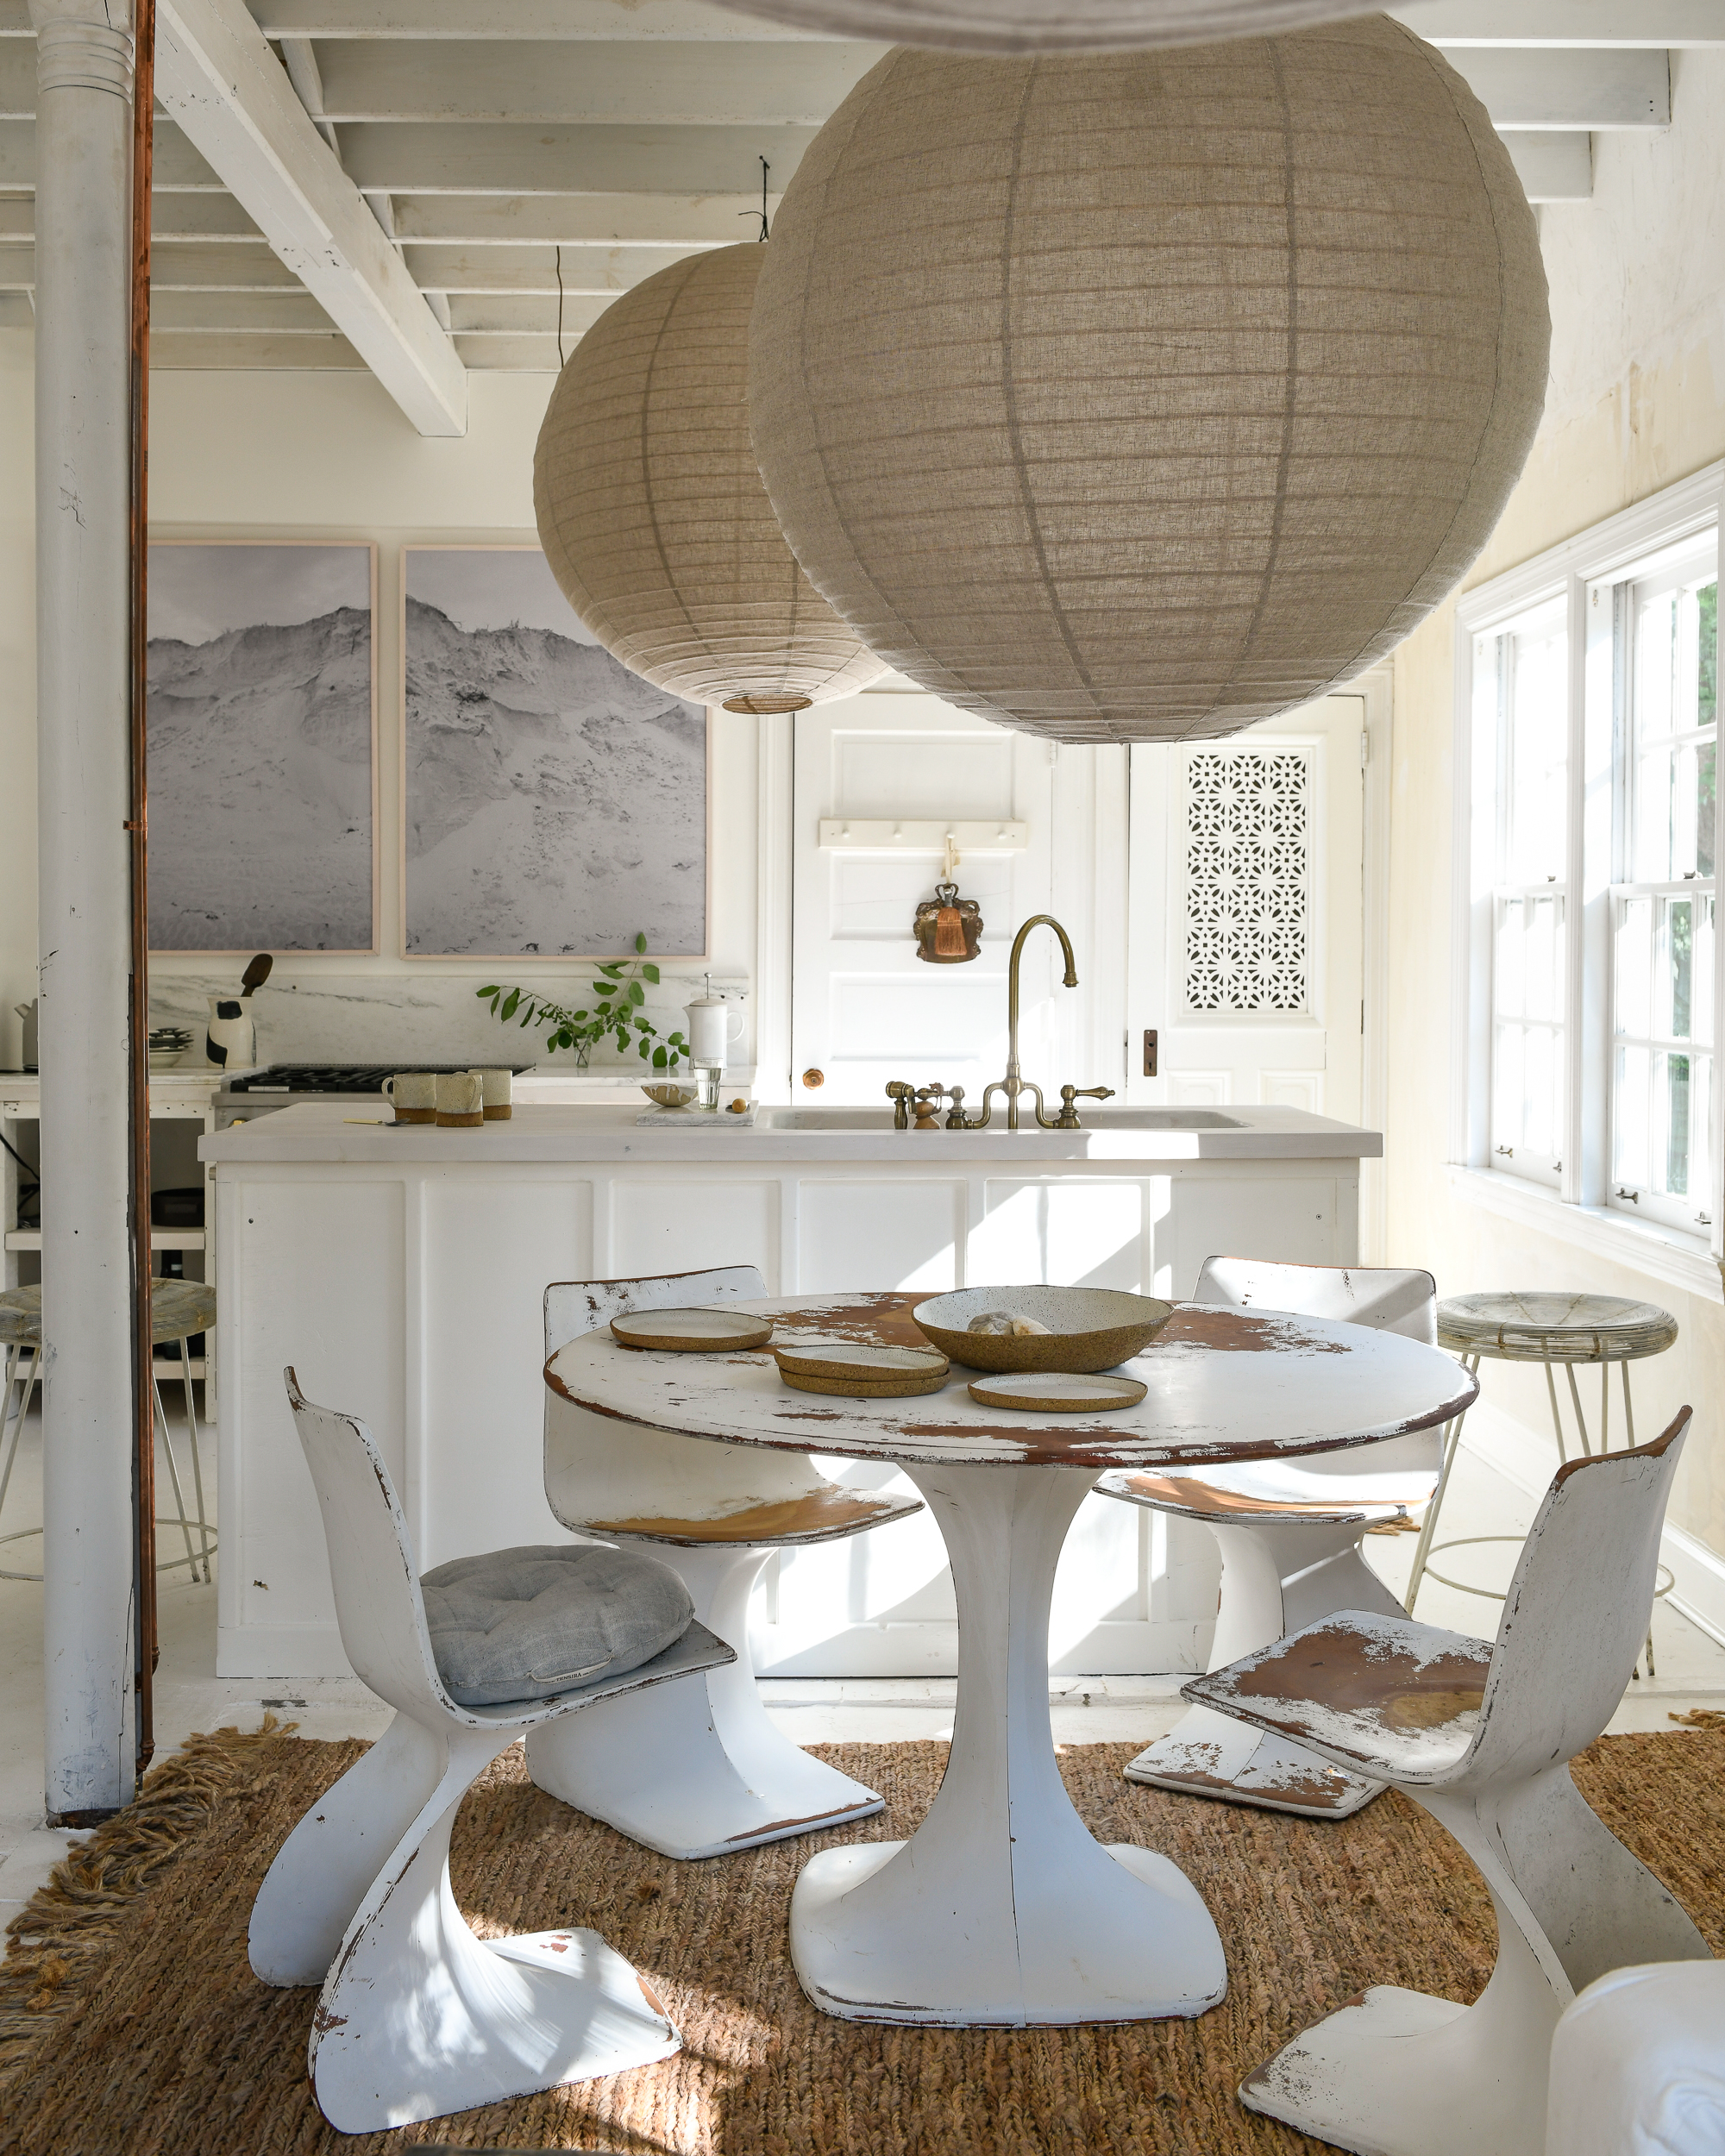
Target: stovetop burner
point(311, 1078)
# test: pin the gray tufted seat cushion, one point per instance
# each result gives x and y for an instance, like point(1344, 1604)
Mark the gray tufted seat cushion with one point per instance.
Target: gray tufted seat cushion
point(524, 1624)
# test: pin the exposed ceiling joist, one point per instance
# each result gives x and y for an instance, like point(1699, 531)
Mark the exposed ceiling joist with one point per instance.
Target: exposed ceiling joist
point(627, 85)
point(1611, 24)
point(684, 222)
point(219, 79)
point(1552, 166)
point(487, 158)
point(177, 167)
point(1629, 89)
point(645, 22)
point(587, 272)
point(218, 349)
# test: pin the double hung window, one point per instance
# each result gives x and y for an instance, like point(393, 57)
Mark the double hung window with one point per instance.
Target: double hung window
point(1589, 787)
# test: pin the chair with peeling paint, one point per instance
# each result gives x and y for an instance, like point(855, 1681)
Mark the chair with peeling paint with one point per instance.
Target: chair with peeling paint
point(1481, 1735)
point(1290, 1534)
point(697, 1771)
point(1638, 2064)
point(418, 2017)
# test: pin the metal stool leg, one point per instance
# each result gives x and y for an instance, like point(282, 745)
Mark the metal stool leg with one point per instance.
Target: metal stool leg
point(27, 1360)
point(173, 1476)
point(1580, 1418)
point(196, 1468)
point(1422, 1548)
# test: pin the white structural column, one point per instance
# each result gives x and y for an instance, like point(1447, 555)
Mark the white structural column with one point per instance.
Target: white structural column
point(84, 268)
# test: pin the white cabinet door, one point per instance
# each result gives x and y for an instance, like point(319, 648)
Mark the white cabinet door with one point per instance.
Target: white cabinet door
point(865, 1008)
point(1246, 909)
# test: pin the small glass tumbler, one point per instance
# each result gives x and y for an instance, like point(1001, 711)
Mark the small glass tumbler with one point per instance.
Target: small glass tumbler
point(706, 1078)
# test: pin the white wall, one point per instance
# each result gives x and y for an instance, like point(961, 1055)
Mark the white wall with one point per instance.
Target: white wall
point(1637, 400)
point(260, 456)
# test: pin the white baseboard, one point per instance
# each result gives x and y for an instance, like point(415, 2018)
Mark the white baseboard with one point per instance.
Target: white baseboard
point(1529, 1459)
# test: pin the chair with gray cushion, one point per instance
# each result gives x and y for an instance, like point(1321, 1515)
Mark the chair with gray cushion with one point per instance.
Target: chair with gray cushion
point(418, 2017)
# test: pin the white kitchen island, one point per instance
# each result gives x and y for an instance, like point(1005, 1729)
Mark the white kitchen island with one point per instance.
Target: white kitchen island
point(400, 1269)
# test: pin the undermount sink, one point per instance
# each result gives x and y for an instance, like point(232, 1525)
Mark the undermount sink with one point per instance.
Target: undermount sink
point(1092, 1118)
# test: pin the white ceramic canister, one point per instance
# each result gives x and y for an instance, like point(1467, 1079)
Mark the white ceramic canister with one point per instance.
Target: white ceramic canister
point(232, 1039)
point(711, 1028)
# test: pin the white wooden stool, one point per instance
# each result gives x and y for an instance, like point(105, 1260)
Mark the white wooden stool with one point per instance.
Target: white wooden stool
point(1552, 1329)
point(178, 1308)
point(1481, 1735)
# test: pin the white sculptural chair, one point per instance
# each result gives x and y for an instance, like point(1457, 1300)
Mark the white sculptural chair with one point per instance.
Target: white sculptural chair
point(1289, 1532)
point(701, 1771)
point(1481, 1736)
point(1638, 2064)
point(418, 2017)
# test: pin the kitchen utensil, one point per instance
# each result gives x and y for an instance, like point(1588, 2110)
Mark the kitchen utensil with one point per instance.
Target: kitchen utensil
point(669, 1094)
point(693, 1331)
point(461, 1101)
point(496, 1088)
point(1058, 1393)
point(1088, 1328)
point(256, 973)
point(867, 1372)
point(412, 1094)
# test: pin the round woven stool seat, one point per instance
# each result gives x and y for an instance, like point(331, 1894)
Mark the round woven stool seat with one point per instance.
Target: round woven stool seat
point(1552, 1327)
point(178, 1309)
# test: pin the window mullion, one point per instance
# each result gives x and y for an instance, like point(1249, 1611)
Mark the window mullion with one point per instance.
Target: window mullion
point(1596, 681)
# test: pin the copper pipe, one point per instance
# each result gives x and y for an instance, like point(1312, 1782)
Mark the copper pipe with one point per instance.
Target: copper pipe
point(148, 1650)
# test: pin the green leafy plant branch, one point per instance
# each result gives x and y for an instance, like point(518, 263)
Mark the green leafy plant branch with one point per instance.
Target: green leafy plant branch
point(618, 997)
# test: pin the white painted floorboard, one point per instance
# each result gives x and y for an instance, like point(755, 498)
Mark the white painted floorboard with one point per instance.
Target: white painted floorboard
point(1087, 1710)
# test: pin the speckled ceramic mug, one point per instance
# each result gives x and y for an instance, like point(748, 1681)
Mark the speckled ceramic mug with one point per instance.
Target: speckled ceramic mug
point(496, 1088)
point(413, 1095)
point(461, 1101)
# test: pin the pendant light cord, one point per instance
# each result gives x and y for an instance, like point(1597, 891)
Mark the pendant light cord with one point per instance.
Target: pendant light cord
point(560, 307)
point(766, 231)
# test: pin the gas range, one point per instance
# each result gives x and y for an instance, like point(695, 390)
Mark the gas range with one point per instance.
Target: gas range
point(284, 1084)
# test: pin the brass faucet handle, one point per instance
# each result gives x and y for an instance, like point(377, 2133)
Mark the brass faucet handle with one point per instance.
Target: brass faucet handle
point(1068, 1117)
point(900, 1095)
point(955, 1120)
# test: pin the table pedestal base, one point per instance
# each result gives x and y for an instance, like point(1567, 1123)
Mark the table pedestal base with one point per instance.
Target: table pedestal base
point(1002, 1910)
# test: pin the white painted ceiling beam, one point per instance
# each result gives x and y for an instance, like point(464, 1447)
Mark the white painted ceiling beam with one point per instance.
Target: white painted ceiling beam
point(1610, 24)
point(174, 349)
point(1568, 90)
point(176, 269)
point(286, 314)
point(645, 22)
point(210, 220)
point(1552, 166)
point(484, 158)
point(598, 85)
point(587, 271)
point(511, 356)
point(684, 222)
point(217, 76)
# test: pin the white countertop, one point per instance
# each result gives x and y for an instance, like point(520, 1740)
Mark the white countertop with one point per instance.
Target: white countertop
point(326, 1132)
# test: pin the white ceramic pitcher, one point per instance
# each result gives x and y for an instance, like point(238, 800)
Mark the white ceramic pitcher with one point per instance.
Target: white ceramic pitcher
point(232, 1039)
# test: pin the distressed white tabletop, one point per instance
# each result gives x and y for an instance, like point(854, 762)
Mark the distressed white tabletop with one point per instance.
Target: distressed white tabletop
point(1223, 1384)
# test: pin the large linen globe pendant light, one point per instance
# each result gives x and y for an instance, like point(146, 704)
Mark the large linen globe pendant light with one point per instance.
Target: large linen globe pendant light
point(652, 513)
point(1047, 26)
point(1139, 398)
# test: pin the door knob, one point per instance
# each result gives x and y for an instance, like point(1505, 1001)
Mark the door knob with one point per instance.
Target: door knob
point(813, 1078)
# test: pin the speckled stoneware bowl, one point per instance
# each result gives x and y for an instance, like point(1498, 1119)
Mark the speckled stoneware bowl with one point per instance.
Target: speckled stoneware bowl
point(1088, 1328)
point(667, 1095)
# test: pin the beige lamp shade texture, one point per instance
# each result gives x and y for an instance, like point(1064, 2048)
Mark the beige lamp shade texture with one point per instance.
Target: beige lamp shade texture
point(1046, 26)
point(651, 510)
point(1138, 397)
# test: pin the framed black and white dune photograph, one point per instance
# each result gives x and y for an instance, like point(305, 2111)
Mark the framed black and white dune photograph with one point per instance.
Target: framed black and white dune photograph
point(554, 805)
point(262, 707)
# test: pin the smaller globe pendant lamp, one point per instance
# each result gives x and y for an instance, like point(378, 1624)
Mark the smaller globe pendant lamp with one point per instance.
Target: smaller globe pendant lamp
point(652, 512)
point(1048, 26)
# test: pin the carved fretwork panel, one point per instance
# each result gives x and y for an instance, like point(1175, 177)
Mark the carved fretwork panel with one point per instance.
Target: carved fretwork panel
point(1247, 837)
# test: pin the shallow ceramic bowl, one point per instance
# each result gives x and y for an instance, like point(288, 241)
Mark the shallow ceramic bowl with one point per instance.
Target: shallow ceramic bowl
point(669, 1096)
point(1088, 1328)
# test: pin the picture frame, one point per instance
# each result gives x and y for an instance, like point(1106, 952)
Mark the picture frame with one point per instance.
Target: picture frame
point(262, 745)
point(518, 825)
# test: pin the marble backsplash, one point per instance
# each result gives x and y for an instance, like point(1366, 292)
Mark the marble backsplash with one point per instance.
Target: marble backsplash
point(430, 1018)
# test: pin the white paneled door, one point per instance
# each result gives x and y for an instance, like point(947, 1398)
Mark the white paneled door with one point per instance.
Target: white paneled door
point(1246, 907)
point(865, 1008)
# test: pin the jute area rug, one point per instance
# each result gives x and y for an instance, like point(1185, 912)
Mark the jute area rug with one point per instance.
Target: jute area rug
point(130, 2021)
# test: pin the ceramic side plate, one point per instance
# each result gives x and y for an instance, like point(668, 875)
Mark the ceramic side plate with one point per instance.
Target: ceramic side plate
point(862, 1371)
point(693, 1331)
point(1058, 1393)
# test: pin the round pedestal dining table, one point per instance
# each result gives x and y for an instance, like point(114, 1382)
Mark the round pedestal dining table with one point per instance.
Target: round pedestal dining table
point(1002, 1910)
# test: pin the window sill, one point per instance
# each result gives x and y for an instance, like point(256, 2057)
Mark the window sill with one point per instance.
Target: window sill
point(1678, 1260)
